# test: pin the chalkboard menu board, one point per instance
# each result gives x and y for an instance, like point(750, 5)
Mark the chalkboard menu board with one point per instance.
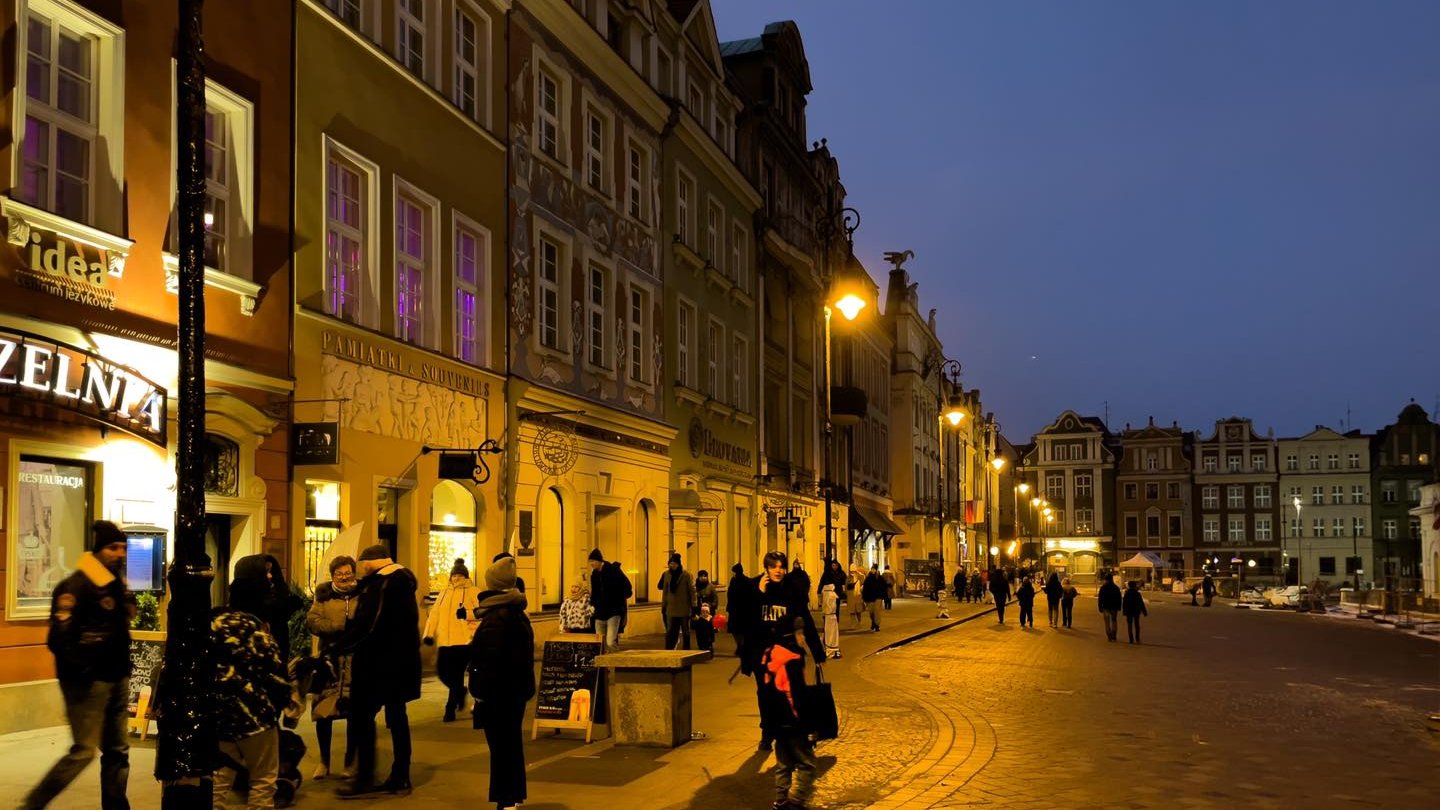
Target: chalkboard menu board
point(565, 667)
point(147, 653)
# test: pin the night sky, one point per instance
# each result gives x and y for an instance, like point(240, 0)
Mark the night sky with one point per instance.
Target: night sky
point(1189, 210)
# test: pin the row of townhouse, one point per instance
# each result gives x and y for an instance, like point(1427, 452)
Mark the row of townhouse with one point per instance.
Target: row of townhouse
point(1339, 507)
point(481, 275)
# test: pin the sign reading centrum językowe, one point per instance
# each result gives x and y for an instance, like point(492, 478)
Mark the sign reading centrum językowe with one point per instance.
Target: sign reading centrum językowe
point(63, 267)
point(36, 368)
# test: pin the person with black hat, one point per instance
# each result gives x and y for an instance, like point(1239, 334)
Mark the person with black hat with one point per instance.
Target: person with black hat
point(384, 638)
point(502, 679)
point(677, 599)
point(89, 636)
point(610, 590)
point(741, 596)
point(450, 626)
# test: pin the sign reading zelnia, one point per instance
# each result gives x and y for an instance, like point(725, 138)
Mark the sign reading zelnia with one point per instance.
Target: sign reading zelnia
point(33, 367)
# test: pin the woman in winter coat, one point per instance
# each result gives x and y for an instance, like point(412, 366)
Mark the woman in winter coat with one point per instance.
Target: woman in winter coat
point(449, 626)
point(1053, 592)
point(1000, 590)
point(677, 594)
point(502, 679)
point(333, 606)
point(1068, 593)
point(704, 620)
point(1026, 597)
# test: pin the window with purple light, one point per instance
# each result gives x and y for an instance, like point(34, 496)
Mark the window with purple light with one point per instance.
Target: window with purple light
point(410, 228)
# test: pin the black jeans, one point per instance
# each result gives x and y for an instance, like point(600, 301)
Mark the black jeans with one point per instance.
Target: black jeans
point(503, 734)
point(1000, 611)
point(450, 663)
point(361, 738)
point(677, 628)
point(1027, 614)
point(1132, 627)
point(1067, 611)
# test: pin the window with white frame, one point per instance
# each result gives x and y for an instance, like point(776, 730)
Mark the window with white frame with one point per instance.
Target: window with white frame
point(471, 82)
point(414, 264)
point(347, 10)
point(549, 274)
point(1055, 486)
point(349, 235)
point(71, 112)
point(596, 136)
point(1317, 525)
point(1175, 528)
point(597, 317)
point(549, 95)
point(1388, 491)
point(1235, 496)
point(739, 273)
point(684, 208)
point(410, 35)
point(696, 101)
point(1337, 526)
point(639, 332)
point(1237, 530)
point(1292, 463)
point(472, 256)
point(1332, 461)
point(1317, 496)
point(722, 130)
point(1353, 461)
point(1388, 529)
point(685, 344)
point(1211, 529)
point(1357, 526)
point(713, 218)
point(1232, 462)
point(1208, 463)
point(1412, 491)
point(739, 373)
point(1084, 521)
point(1084, 486)
point(1257, 462)
point(1295, 527)
point(1357, 493)
point(1152, 528)
point(1262, 496)
point(1262, 528)
point(1312, 462)
point(1337, 494)
point(714, 362)
point(636, 182)
point(229, 182)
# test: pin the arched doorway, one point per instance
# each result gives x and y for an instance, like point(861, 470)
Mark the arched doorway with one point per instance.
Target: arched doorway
point(454, 527)
point(551, 526)
point(643, 516)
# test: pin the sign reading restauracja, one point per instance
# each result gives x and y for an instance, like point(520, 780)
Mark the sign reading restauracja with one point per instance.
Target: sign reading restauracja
point(33, 367)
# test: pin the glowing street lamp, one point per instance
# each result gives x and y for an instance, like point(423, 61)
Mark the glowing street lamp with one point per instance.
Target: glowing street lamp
point(850, 305)
point(998, 463)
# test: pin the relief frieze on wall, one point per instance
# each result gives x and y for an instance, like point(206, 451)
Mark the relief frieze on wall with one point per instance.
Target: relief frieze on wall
point(399, 407)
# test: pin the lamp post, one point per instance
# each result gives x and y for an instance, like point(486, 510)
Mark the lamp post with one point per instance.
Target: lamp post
point(1299, 546)
point(1022, 488)
point(849, 303)
point(952, 410)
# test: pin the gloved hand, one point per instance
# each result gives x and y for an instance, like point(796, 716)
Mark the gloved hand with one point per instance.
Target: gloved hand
point(428, 641)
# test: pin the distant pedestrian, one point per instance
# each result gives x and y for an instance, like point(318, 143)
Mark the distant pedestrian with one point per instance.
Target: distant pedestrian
point(1000, 592)
point(249, 688)
point(800, 578)
point(384, 637)
point(985, 584)
point(502, 679)
point(89, 636)
point(873, 593)
point(610, 590)
point(741, 596)
point(1133, 606)
point(889, 577)
point(962, 591)
point(677, 595)
point(937, 581)
point(1068, 593)
point(1109, 597)
point(449, 628)
point(1026, 597)
point(829, 606)
point(1053, 593)
point(977, 586)
point(855, 590)
point(1207, 587)
point(707, 602)
point(332, 607)
point(834, 575)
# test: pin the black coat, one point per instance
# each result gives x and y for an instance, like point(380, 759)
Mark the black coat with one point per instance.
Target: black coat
point(502, 653)
point(1133, 604)
point(741, 598)
point(1000, 587)
point(1109, 596)
point(1026, 595)
point(384, 636)
point(832, 576)
point(1053, 590)
point(609, 590)
point(777, 605)
point(874, 588)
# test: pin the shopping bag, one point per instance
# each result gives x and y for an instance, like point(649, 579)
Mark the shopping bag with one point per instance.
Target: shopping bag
point(816, 708)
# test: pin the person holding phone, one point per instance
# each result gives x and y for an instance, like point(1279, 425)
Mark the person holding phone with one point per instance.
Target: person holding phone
point(450, 626)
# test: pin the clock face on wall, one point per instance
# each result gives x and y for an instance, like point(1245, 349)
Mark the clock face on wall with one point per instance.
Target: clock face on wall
point(1232, 432)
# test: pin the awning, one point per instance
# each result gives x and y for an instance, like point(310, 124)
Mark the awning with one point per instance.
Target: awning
point(863, 517)
point(1144, 559)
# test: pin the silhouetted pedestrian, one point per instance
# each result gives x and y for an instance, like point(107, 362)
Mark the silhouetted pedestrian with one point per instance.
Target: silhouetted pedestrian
point(1026, 597)
point(1109, 598)
point(502, 679)
point(1207, 587)
point(873, 593)
point(1000, 591)
point(889, 577)
point(1053, 592)
point(1133, 606)
point(1067, 602)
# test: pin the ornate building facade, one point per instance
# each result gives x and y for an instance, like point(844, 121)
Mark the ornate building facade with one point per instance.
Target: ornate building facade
point(1237, 500)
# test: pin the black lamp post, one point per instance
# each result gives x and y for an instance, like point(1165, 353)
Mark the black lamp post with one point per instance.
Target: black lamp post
point(187, 744)
point(845, 300)
point(953, 412)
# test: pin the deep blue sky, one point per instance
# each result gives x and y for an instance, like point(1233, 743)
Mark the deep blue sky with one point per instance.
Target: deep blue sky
point(1185, 209)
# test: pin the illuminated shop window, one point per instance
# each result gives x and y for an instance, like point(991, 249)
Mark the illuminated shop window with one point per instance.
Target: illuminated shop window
point(56, 498)
point(322, 525)
point(452, 531)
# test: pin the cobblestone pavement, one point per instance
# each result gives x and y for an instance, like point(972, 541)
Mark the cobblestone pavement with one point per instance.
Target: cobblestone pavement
point(1218, 708)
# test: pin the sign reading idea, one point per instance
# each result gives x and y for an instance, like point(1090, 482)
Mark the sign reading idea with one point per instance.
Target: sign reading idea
point(33, 367)
point(63, 267)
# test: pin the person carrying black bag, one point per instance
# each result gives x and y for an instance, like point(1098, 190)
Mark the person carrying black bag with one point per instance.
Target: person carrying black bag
point(502, 679)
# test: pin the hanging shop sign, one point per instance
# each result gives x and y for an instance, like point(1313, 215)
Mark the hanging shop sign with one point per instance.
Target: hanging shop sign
point(36, 368)
point(63, 267)
point(315, 443)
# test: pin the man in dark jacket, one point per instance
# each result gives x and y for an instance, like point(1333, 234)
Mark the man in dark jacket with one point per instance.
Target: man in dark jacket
point(1132, 604)
point(90, 638)
point(1207, 587)
point(1000, 589)
point(610, 590)
point(502, 679)
point(872, 593)
point(384, 637)
point(778, 603)
point(1109, 598)
point(741, 597)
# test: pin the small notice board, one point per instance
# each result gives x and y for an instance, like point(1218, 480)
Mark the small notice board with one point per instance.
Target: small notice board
point(568, 667)
point(147, 654)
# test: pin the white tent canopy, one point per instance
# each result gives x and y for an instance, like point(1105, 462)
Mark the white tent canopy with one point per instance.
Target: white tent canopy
point(1144, 559)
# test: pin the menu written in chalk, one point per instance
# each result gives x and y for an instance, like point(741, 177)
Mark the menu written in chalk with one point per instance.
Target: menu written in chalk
point(146, 654)
point(564, 667)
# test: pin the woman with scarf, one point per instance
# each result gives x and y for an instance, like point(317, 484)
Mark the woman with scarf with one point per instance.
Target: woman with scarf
point(677, 593)
point(502, 679)
point(707, 606)
point(333, 606)
point(450, 627)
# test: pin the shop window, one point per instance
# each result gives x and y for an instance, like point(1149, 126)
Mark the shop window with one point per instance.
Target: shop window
point(55, 506)
point(453, 529)
point(322, 526)
point(387, 519)
point(222, 465)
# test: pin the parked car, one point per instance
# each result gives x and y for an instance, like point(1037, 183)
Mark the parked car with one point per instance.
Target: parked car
point(1289, 596)
point(1252, 596)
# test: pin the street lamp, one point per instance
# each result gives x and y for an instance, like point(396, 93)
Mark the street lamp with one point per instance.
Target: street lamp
point(847, 297)
point(1299, 546)
point(952, 410)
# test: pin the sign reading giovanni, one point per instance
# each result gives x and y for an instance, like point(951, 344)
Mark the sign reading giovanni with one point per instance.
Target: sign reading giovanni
point(36, 368)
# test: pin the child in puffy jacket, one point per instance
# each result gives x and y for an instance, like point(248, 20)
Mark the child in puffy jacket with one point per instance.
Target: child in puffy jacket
point(783, 666)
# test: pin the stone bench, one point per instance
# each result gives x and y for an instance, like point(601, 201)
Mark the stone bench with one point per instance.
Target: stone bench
point(650, 695)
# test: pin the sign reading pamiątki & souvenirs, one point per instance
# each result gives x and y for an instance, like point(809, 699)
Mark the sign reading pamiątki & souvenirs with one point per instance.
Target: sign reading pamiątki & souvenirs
point(36, 368)
point(63, 267)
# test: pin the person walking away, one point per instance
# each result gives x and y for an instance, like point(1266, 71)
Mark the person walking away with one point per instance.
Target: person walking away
point(854, 589)
point(1068, 592)
point(1109, 597)
point(800, 578)
point(332, 607)
point(610, 589)
point(502, 680)
point(449, 628)
point(889, 577)
point(384, 638)
point(977, 587)
point(577, 615)
point(250, 688)
point(1053, 593)
point(707, 602)
point(280, 604)
point(1026, 597)
point(829, 607)
point(872, 592)
point(985, 584)
point(741, 596)
point(1000, 593)
point(89, 636)
point(677, 595)
point(1133, 606)
point(1207, 587)
point(961, 586)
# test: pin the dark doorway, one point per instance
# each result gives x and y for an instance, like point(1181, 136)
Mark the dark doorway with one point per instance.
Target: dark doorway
point(217, 546)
